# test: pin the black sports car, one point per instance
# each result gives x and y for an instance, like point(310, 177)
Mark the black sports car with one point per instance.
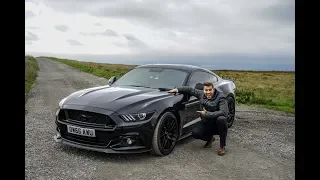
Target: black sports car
point(136, 113)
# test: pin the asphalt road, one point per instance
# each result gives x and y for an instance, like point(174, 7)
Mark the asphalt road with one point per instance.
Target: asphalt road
point(260, 145)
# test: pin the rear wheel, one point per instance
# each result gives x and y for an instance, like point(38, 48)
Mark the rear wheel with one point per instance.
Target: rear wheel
point(232, 110)
point(165, 135)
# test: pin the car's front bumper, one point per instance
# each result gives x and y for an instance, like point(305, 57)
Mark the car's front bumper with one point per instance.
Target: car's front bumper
point(132, 149)
point(111, 140)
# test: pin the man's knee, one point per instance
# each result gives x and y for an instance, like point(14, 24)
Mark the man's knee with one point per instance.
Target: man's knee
point(196, 133)
point(221, 120)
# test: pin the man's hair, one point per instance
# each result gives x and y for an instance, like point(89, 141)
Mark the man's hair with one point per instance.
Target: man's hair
point(208, 84)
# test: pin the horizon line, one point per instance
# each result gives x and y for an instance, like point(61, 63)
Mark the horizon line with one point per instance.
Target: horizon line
point(243, 70)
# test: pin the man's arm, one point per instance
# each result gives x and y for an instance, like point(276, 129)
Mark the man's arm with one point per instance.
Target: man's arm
point(223, 110)
point(189, 90)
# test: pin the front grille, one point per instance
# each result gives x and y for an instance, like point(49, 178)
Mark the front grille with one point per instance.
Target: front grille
point(102, 138)
point(86, 117)
point(86, 140)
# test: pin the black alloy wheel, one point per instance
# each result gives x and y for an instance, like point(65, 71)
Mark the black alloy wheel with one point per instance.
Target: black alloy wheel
point(165, 135)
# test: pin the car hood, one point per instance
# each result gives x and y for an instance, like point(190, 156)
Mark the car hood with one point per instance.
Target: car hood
point(114, 98)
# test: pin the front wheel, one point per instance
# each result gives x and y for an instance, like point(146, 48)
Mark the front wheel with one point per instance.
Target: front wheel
point(165, 135)
point(232, 110)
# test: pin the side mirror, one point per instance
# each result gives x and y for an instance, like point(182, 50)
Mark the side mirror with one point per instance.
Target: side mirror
point(112, 80)
point(199, 86)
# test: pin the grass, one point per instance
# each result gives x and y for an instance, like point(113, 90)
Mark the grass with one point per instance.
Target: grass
point(270, 89)
point(31, 72)
point(98, 69)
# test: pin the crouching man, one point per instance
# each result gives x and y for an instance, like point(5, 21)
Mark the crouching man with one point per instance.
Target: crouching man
point(213, 114)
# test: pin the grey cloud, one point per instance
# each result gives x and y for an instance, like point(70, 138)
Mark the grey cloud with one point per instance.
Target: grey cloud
point(282, 13)
point(193, 17)
point(33, 1)
point(119, 44)
point(74, 42)
point(29, 14)
point(157, 14)
point(133, 41)
point(107, 32)
point(62, 28)
point(154, 13)
point(233, 26)
point(180, 14)
point(30, 37)
point(172, 34)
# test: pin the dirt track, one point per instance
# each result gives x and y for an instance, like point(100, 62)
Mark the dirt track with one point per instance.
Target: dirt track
point(260, 145)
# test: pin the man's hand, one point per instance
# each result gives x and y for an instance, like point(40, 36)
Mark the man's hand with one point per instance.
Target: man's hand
point(203, 112)
point(175, 90)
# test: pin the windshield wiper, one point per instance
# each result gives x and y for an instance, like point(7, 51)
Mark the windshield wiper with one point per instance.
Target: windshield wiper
point(161, 89)
point(138, 86)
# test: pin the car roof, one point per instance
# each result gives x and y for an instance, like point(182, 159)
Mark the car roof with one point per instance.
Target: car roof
point(184, 67)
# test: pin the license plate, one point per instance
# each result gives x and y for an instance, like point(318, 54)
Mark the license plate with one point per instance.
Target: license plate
point(81, 131)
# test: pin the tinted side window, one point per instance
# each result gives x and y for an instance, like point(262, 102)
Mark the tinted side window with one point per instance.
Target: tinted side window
point(198, 77)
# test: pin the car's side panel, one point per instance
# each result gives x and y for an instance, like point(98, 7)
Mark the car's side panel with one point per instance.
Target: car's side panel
point(226, 86)
point(189, 116)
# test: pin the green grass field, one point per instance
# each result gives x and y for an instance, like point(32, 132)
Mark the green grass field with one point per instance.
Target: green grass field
point(31, 72)
point(270, 89)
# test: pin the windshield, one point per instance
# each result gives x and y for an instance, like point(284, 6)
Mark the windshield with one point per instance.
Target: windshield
point(153, 78)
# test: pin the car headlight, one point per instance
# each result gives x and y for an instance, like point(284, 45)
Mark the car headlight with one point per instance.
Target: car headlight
point(136, 117)
point(61, 102)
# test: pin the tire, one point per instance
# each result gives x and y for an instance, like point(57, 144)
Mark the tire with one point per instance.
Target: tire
point(166, 123)
point(232, 110)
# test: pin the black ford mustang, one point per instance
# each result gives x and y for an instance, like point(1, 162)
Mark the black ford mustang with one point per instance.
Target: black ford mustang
point(136, 113)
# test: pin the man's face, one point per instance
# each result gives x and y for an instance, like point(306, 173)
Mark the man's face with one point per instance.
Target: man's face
point(208, 91)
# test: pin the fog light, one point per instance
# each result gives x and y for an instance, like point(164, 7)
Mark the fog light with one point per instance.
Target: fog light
point(129, 141)
point(57, 137)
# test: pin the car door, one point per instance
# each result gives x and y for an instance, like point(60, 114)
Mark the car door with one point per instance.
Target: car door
point(189, 116)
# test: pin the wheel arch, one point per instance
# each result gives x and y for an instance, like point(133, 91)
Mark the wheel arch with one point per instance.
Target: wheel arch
point(155, 147)
point(174, 112)
point(231, 95)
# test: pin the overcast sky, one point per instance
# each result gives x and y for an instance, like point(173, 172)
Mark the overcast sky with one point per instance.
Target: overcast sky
point(227, 34)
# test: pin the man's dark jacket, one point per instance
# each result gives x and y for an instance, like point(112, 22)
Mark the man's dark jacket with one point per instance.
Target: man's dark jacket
point(215, 107)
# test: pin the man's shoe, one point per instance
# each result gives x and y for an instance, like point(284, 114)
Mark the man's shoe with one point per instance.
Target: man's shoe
point(209, 143)
point(221, 151)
